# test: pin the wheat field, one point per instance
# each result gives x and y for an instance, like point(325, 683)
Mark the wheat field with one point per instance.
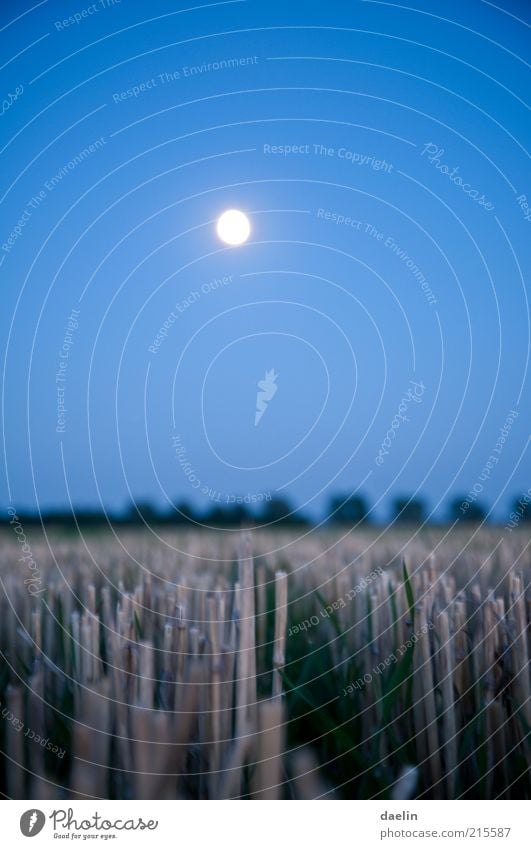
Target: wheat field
point(265, 665)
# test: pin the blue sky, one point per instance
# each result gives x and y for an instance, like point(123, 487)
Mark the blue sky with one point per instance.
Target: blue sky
point(380, 153)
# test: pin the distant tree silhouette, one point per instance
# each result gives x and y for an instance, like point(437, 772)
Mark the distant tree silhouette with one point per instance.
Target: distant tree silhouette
point(464, 511)
point(86, 518)
point(78, 516)
point(277, 510)
point(521, 509)
point(411, 511)
point(139, 510)
point(350, 509)
point(184, 514)
point(233, 515)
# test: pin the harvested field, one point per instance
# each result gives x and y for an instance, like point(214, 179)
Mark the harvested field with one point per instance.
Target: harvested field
point(265, 665)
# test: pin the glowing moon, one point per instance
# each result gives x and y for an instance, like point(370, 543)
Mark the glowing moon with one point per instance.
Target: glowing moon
point(233, 227)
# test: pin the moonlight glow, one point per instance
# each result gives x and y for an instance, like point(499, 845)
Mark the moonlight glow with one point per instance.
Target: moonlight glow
point(233, 227)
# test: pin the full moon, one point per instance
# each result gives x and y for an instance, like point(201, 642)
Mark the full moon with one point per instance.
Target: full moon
point(233, 227)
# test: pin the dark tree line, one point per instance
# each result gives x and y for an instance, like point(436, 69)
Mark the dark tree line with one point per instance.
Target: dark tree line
point(351, 510)
point(354, 509)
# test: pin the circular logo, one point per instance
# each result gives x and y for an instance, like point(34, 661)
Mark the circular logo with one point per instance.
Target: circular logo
point(32, 822)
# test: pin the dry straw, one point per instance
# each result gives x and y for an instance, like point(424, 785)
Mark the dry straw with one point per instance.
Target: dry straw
point(175, 682)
